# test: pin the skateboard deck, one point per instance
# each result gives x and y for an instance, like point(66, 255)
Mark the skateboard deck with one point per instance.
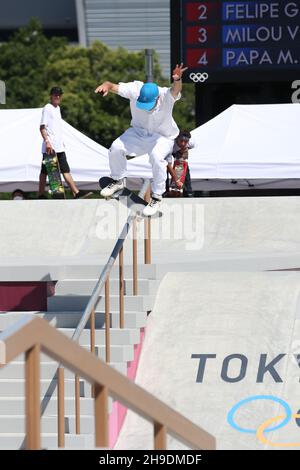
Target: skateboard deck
point(56, 188)
point(180, 166)
point(127, 197)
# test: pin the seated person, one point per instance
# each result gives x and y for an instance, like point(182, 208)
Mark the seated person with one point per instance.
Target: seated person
point(18, 195)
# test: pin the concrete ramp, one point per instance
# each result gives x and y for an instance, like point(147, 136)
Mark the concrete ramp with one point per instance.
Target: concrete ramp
point(41, 229)
point(245, 321)
point(52, 240)
point(237, 234)
point(223, 234)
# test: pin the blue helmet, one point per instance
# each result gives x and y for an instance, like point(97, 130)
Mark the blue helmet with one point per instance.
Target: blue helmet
point(148, 96)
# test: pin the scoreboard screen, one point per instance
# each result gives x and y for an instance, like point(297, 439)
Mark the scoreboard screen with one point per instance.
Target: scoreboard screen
point(222, 41)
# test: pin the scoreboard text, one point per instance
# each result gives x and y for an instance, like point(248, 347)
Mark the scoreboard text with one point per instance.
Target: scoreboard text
point(237, 41)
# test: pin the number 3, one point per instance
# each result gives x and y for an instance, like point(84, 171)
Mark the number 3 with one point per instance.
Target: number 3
point(203, 33)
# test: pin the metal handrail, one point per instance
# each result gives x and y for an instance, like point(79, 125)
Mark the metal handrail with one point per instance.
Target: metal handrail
point(34, 336)
point(106, 270)
point(89, 313)
point(101, 281)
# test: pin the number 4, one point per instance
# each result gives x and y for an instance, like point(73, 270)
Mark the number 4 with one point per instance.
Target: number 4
point(203, 59)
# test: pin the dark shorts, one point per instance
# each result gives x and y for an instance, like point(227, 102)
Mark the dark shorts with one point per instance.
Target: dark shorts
point(63, 164)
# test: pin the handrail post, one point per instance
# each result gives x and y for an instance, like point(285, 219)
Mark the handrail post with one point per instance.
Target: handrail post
point(92, 339)
point(134, 260)
point(160, 436)
point(107, 321)
point(92, 331)
point(61, 406)
point(77, 404)
point(121, 286)
point(32, 398)
point(101, 416)
point(147, 241)
point(147, 195)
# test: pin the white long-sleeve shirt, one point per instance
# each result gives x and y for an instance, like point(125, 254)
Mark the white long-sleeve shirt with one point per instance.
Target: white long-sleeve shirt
point(160, 120)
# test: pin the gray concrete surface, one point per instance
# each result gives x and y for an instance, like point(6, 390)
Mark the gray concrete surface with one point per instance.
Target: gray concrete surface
point(222, 314)
point(61, 240)
point(228, 234)
point(198, 310)
point(53, 228)
point(71, 239)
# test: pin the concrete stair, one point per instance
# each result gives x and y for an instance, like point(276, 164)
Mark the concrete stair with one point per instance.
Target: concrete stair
point(64, 312)
point(79, 302)
point(70, 319)
point(16, 388)
point(8, 424)
point(117, 336)
point(85, 287)
point(48, 369)
point(89, 270)
point(12, 441)
point(15, 406)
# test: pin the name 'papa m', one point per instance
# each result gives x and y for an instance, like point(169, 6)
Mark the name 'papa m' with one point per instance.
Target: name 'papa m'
point(237, 57)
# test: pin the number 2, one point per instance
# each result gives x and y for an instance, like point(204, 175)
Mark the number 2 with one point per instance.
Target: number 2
point(202, 12)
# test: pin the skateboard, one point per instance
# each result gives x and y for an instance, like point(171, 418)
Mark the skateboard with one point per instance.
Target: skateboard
point(127, 197)
point(180, 166)
point(57, 189)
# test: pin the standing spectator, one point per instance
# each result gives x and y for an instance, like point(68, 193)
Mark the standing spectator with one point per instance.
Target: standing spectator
point(52, 133)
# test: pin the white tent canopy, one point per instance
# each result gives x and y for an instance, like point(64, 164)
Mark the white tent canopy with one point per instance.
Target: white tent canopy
point(245, 141)
point(20, 153)
point(248, 141)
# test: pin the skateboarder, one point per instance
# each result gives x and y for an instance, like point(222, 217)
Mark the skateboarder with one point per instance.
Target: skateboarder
point(183, 143)
point(152, 131)
point(52, 133)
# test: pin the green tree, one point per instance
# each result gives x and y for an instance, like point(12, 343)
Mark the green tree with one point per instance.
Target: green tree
point(31, 64)
point(22, 62)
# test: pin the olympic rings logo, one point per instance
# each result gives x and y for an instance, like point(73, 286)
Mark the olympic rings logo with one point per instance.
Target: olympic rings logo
point(199, 77)
point(266, 427)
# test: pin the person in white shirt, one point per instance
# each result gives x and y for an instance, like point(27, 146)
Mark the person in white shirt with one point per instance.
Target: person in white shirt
point(52, 133)
point(152, 131)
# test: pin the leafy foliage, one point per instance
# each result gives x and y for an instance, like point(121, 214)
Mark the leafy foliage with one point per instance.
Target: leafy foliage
point(31, 63)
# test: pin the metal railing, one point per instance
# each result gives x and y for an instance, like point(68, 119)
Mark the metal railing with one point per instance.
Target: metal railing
point(89, 311)
point(34, 335)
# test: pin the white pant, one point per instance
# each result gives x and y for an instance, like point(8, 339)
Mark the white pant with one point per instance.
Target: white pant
point(138, 142)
